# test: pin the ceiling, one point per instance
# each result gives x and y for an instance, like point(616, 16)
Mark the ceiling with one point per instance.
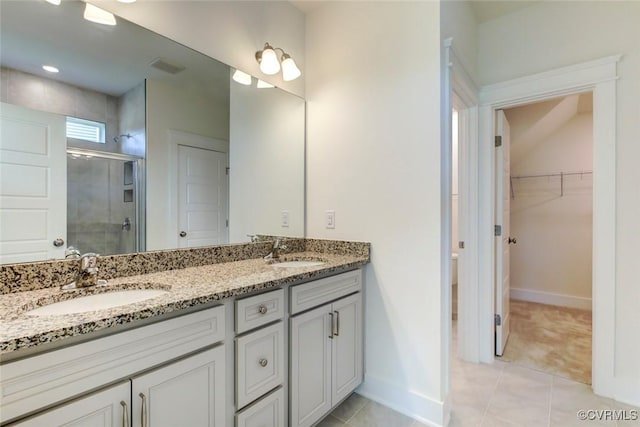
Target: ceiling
point(103, 58)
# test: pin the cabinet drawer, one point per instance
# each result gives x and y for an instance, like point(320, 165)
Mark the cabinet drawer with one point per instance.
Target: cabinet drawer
point(48, 378)
point(266, 412)
point(318, 292)
point(259, 310)
point(259, 363)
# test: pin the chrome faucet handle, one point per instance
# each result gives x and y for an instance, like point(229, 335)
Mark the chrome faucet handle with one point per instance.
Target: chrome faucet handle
point(89, 263)
point(71, 253)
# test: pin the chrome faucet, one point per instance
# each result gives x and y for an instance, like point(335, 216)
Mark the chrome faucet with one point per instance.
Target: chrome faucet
point(87, 272)
point(275, 250)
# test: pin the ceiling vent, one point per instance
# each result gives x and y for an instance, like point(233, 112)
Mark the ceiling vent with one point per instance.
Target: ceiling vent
point(167, 67)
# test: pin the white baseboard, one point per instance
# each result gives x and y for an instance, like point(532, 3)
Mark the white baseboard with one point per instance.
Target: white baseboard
point(407, 402)
point(550, 298)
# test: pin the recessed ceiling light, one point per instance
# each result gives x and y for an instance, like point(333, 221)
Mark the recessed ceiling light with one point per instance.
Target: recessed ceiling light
point(95, 14)
point(56, 2)
point(50, 69)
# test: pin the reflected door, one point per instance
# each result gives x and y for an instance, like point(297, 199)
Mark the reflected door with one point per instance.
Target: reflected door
point(32, 185)
point(202, 197)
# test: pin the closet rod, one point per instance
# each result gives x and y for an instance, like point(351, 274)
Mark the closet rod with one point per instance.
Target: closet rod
point(545, 175)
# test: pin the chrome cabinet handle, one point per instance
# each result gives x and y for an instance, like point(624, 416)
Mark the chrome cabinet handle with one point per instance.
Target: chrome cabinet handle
point(331, 316)
point(183, 234)
point(125, 413)
point(263, 362)
point(262, 309)
point(143, 414)
point(337, 332)
point(58, 242)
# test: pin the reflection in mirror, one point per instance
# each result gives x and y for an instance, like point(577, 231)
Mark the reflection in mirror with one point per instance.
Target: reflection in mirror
point(161, 162)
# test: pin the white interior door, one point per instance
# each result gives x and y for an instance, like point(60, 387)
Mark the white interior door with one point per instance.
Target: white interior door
point(202, 197)
point(503, 195)
point(33, 187)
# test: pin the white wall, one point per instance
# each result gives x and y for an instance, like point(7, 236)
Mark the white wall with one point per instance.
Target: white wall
point(173, 108)
point(373, 156)
point(267, 162)
point(229, 31)
point(554, 34)
point(551, 262)
point(458, 21)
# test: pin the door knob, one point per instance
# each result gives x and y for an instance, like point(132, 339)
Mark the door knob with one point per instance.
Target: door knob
point(512, 240)
point(183, 233)
point(58, 242)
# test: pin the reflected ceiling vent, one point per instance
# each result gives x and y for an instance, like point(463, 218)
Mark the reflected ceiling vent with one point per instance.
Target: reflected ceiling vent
point(167, 67)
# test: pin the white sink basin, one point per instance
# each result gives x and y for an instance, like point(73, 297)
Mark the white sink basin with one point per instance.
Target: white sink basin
point(94, 302)
point(299, 263)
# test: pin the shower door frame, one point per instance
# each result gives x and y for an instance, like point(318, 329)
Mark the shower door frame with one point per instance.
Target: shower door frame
point(139, 185)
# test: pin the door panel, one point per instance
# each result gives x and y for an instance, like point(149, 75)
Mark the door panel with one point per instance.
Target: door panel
point(347, 347)
point(190, 392)
point(503, 194)
point(106, 408)
point(310, 366)
point(32, 166)
point(202, 199)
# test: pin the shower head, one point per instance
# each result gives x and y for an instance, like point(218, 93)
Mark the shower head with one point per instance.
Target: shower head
point(117, 138)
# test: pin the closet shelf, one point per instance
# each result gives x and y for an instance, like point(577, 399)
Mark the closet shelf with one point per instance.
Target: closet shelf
point(562, 175)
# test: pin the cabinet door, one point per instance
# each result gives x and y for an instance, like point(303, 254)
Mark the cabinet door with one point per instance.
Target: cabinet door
point(189, 392)
point(346, 352)
point(310, 366)
point(106, 408)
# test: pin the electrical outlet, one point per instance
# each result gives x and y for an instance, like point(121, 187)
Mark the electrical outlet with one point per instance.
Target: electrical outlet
point(330, 219)
point(284, 219)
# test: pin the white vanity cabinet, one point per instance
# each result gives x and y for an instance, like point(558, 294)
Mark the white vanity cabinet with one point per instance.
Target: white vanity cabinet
point(106, 408)
point(325, 345)
point(185, 385)
point(189, 392)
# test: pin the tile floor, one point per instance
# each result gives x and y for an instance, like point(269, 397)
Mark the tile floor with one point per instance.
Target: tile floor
point(499, 395)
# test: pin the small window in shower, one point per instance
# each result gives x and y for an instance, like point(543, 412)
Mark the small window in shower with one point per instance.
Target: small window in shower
point(86, 130)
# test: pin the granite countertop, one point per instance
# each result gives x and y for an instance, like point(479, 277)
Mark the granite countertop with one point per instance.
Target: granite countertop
point(187, 287)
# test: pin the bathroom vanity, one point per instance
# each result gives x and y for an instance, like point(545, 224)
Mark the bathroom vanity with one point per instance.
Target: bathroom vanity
point(239, 343)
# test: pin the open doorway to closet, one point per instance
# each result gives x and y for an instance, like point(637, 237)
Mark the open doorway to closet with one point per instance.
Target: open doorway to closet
point(544, 234)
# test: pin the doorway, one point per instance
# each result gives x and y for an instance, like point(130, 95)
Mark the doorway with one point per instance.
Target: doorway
point(544, 211)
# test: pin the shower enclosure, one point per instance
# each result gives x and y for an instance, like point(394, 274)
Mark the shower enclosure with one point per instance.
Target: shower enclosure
point(104, 209)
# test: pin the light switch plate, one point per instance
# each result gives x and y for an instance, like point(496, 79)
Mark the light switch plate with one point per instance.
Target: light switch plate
point(330, 219)
point(284, 218)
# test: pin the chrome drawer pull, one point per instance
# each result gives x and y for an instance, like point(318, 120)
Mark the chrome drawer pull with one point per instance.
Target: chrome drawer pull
point(263, 362)
point(125, 413)
point(337, 332)
point(144, 409)
point(262, 309)
point(331, 316)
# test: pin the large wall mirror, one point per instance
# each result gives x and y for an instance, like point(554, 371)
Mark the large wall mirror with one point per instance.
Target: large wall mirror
point(136, 143)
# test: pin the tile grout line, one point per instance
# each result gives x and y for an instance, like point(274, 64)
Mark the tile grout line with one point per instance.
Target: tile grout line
point(357, 412)
point(495, 387)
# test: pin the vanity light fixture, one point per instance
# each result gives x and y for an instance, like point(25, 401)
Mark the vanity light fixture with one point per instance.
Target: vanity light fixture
point(270, 63)
point(242, 78)
point(127, 1)
point(50, 69)
point(56, 2)
point(264, 85)
point(99, 16)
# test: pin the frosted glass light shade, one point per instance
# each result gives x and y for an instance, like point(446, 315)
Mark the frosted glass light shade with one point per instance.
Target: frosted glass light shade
point(99, 16)
point(269, 63)
point(290, 70)
point(56, 2)
point(264, 85)
point(242, 78)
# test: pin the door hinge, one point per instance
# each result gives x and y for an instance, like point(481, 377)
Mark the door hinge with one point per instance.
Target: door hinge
point(497, 230)
point(498, 140)
point(461, 245)
point(227, 223)
point(227, 170)
point(497, 319)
